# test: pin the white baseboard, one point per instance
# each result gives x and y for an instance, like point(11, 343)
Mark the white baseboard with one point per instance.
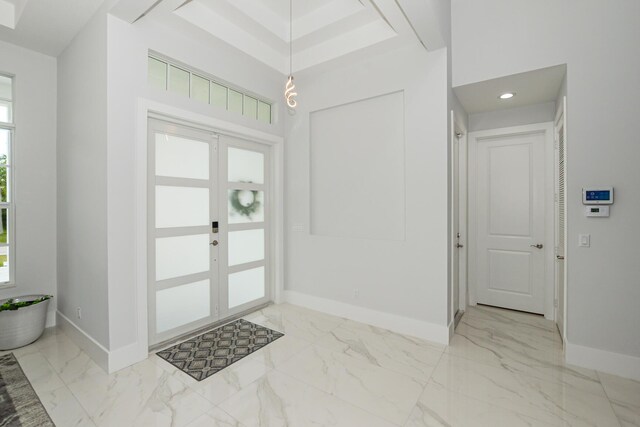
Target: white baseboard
point(125, 356)
point(94, 349)
point(452, 328)
point(393, 322)
point(51, 319)
point(601, 360)
point(110, 361)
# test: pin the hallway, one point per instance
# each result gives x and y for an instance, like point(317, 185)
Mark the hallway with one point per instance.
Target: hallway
point(503, 368)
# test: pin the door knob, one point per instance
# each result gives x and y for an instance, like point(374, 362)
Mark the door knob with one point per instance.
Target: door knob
point(538, 246)
point(214, 243)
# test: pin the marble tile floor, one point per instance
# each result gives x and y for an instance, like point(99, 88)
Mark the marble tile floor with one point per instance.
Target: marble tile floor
point(502, 368)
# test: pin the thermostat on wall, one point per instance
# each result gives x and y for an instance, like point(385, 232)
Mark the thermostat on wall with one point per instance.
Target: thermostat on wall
point(596, 211)
point(597, 196)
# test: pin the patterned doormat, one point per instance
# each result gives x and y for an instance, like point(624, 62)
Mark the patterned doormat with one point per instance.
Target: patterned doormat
point(19, 404)
point(211, 352)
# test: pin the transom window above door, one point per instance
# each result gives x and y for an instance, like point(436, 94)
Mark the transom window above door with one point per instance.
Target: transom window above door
point(165, 75)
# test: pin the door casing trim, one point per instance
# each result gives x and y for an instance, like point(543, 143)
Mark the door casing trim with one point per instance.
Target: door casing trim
point(146, 108)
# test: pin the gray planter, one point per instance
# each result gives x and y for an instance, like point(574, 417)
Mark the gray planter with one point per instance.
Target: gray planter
point(24, 325)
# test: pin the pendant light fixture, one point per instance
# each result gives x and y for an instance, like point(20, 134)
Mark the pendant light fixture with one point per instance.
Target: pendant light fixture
point(289, 88)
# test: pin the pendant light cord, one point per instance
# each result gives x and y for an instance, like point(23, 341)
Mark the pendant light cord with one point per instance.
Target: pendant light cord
point(290, 37)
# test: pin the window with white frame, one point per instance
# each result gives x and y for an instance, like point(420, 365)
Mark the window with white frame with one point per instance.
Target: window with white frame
point(7, 235)
point(164, 75)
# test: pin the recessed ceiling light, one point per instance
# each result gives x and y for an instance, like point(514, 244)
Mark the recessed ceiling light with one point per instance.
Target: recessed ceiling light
point(507, 95)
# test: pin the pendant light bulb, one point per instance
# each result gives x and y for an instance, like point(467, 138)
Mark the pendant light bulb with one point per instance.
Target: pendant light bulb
point(290, 93)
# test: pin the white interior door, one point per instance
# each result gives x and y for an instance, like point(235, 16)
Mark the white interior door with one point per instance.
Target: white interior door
point(510, 220)
point(208, 239)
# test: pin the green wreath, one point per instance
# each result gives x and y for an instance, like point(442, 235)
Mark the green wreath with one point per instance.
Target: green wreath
point(244, 207)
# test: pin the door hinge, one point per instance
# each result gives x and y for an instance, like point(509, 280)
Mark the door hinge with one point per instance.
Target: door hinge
point(215, 310)
point(555, 302)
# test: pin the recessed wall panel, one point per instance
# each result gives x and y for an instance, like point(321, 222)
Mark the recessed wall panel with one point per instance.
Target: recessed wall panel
point(357, 169)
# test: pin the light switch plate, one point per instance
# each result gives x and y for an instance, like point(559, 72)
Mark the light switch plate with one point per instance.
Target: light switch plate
point(584, 240)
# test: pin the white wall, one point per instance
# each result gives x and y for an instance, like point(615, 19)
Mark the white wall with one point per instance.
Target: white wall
point(128, 47)
point(519, 116)
point(599, 43)
point(82, 180)
point(35, 174)
point(406, 278)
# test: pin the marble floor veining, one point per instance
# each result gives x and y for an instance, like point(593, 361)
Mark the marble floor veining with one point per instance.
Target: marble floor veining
point(502, 368)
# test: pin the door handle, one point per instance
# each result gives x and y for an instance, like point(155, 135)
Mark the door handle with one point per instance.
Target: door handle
point(538, 246)
point(560, 257)
point(214, 243)
point(458, 245)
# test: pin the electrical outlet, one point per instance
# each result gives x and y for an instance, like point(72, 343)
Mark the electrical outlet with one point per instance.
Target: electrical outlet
point(79, 313)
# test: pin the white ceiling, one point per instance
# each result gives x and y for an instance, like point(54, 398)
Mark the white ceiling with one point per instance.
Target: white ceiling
point(323, 30)
point(532, 87)
point(47, 26)
point(302, 7)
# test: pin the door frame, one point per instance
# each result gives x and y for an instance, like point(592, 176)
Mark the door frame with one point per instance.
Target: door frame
point(549, 212)
point(459, 169)
point(146, 109)
point(561, 121)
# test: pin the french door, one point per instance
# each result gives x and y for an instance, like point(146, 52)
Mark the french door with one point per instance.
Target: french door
point(208, 234)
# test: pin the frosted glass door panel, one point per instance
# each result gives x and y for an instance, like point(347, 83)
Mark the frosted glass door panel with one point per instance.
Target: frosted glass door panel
point(246, 246)
point(181, 206)
point(246, 286)
point(181, 158)
point(181, 305)
point(180, 256)
point(246, 206)
point(245, 166)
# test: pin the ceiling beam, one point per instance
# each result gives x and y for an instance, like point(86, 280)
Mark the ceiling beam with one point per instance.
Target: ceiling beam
point(132, 10)
point(8, 14)
point(427, 21)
